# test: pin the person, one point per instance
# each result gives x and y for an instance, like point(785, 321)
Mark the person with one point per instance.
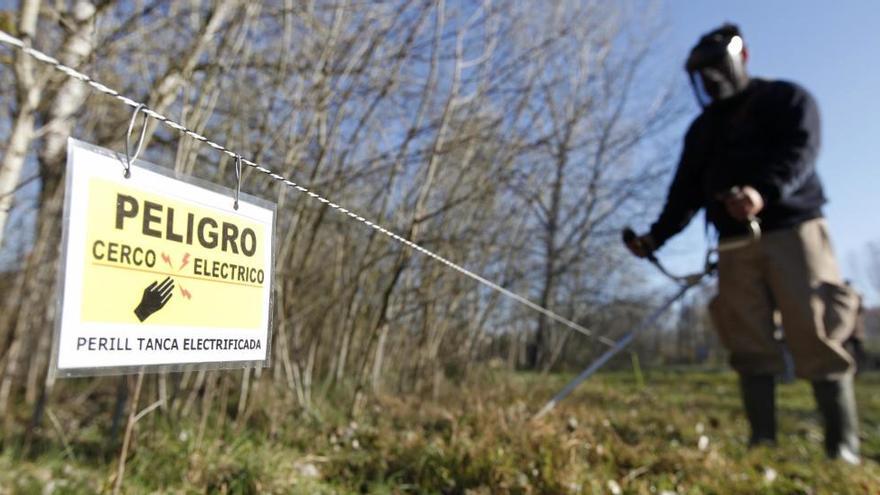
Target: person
point(749, 158)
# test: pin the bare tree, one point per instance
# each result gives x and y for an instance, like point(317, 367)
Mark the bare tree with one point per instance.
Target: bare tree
point(873, 250)
point(583, 173)
point(506, 138)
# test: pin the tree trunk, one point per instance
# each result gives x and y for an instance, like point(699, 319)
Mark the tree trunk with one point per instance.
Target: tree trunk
point(29, 94)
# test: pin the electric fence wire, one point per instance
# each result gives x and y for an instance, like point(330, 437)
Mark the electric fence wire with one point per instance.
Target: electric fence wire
point(73, 73)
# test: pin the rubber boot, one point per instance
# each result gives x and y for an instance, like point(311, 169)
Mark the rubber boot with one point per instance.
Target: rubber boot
point(759, 401)
point(837, 404)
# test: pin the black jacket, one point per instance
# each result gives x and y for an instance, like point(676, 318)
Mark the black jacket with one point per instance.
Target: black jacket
point(766, 137)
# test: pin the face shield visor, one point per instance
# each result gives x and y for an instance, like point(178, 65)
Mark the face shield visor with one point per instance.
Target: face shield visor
point(716, 68)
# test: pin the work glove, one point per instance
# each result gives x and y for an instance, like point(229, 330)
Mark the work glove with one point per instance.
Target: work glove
point(642, 246)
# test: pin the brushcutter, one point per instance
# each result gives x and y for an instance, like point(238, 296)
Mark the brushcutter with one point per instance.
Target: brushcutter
point(685, 283)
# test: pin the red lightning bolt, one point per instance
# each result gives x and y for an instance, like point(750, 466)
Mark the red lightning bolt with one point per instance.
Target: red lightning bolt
point(167, 259)
point(185, 261)
point(185, 292)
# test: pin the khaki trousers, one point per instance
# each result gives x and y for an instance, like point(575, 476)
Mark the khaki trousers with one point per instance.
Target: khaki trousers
point(793, 271)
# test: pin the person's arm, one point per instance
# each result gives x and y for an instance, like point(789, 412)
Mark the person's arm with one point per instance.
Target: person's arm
point(685, 197)
point(794, 143)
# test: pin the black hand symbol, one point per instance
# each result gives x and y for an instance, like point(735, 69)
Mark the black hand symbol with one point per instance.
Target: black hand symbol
point(155, 297)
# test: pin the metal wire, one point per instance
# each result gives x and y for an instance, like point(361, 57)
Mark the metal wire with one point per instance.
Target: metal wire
point(73, 73)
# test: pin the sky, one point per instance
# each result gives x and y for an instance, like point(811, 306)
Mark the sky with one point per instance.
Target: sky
point(832, 49)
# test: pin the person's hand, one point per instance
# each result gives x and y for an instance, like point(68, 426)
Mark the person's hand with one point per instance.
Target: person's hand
point(640, 245)
point(154, 298)
point(744, 203)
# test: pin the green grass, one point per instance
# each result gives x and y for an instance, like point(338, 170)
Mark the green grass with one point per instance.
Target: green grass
point(479, 439)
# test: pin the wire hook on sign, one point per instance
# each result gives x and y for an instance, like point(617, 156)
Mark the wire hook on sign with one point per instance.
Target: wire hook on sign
point(237, 180)
point(128, 157)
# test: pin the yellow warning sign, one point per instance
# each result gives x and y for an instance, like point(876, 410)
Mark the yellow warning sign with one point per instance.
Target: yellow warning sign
point(138, 239)
point(159, 269)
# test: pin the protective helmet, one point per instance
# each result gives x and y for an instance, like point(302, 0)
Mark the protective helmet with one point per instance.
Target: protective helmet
point(716, 65)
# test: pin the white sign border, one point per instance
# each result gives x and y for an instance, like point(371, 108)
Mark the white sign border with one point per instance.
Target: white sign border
point(115, 370)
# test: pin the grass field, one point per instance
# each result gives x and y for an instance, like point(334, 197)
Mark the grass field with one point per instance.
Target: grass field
point(681, 433)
